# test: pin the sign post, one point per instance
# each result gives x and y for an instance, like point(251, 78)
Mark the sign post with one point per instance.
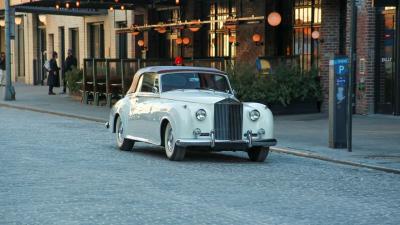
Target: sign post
point(338, 101)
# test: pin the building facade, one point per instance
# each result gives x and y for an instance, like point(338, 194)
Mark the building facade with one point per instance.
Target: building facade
point(309, 31)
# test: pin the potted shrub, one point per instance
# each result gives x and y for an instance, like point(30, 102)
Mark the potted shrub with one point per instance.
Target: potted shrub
point(288, 91)
point(73, 78)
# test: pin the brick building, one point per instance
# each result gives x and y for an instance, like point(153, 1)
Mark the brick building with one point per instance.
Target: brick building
point(311, 31)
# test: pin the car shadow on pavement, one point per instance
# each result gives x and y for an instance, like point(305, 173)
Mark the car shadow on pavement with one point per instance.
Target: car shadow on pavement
point(192, 156)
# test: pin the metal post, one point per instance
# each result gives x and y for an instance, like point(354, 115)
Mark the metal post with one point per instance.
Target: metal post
point(353, 58)
point(9, 92)
point(397, 63)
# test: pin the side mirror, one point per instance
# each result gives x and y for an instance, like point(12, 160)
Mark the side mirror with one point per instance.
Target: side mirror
point(155, 90)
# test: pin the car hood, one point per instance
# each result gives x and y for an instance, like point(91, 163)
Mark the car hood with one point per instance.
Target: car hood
point(196, 96)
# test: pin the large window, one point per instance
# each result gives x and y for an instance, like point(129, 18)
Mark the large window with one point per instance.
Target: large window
point(96, 40)
point(307, 18)
point(121, 42)
point(219, 37)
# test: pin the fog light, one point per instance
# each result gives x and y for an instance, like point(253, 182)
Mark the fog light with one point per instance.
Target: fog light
point(261, 132)
point(196, 132)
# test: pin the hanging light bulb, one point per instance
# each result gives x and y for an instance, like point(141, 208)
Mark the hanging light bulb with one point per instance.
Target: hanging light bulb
point(67, 5)
point(2, 23)
point(179, 41)
point(122, 7)
point(140, 43)
point(111, 8)
point(57, 6)
point(177, 2)
point(274, 19)
point(78, 3)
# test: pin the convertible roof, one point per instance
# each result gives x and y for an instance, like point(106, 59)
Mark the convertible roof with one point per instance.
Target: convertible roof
point(169, 69)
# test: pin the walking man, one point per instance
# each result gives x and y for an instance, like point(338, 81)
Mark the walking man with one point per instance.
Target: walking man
point(2, 68)
point(53, 73)
point(69, 63)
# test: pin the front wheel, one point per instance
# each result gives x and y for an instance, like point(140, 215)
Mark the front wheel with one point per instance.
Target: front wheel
point(258, 154)
point(122, 143)
point(173, 152)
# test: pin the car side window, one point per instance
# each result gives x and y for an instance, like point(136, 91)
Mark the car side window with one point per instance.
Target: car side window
point(148, 81)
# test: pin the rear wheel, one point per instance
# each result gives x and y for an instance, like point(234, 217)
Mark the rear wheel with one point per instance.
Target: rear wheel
point(122, 143)
point(258, 154)
point(173, 152)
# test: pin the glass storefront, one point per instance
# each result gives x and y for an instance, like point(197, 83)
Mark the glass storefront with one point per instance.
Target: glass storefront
point(386, 61)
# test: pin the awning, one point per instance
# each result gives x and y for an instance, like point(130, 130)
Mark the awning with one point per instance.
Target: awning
point(380, 3)
point(88, 4)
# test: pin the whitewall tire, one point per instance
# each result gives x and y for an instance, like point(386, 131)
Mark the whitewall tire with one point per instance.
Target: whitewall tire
point(173, 152)
point(122, 143)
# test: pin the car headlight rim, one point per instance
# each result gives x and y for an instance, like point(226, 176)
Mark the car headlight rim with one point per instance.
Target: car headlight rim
point(201, 115)
point(254, 115)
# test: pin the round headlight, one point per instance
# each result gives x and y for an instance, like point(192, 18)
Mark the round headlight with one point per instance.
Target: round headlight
point(201, 114)
point(254, 115)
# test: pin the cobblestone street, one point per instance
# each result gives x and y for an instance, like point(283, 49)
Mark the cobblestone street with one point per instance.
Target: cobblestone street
point(55, 170)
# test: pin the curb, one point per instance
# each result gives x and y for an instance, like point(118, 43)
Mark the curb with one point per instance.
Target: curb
point(328, 159)
point(74, 116)
point(287, 151)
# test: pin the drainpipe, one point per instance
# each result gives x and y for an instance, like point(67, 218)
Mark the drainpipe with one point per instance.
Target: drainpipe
point(353, 59)
point(9, 92)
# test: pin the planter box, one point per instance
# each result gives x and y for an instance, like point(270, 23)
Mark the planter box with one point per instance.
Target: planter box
point(299, 107)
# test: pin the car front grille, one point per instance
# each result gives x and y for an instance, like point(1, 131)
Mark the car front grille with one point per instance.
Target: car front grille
point(228, 120)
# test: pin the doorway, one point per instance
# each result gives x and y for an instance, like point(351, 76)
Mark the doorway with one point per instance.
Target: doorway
point(74, 43)
point(386, 77)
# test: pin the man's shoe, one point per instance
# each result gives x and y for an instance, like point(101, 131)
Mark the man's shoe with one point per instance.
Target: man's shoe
point(62, 93)
point(52, 93)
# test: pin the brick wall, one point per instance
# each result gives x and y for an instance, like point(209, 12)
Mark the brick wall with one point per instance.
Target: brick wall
point(365, 52)
point(329, 43)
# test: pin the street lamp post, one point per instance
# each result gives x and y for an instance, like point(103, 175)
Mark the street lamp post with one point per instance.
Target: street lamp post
point(9, 92)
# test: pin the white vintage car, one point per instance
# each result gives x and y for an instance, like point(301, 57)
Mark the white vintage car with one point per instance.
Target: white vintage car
point(183, 108)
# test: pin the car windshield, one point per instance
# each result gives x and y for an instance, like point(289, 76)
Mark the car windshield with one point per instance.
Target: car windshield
point(199, 81)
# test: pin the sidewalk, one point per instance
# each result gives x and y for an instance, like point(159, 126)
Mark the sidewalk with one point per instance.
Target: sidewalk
point(376, 138)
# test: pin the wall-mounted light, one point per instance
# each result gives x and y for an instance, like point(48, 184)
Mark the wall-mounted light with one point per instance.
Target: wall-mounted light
point(111, 8)
point(57, 6)
point(257, 39)
point(122, 7)
point(177, 2)
point(18, 20)
point(78, 3)
point(67, 5)
point(2, 23)
point(274, 19)
point(43, 19)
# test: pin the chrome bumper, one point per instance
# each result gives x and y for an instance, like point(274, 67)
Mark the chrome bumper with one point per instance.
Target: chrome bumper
point(227, 144)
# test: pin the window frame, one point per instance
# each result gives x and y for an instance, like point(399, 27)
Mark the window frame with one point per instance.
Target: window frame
point(140, 84)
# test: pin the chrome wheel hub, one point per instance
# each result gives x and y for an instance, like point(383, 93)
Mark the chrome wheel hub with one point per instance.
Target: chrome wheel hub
point(170, 141)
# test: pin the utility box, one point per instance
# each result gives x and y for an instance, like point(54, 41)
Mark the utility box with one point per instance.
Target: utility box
point(338, 89)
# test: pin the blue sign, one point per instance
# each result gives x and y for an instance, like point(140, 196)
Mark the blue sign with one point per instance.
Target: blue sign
point(341, 66)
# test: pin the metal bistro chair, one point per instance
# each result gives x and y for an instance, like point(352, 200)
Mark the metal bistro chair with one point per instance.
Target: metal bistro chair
point(87, 81)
